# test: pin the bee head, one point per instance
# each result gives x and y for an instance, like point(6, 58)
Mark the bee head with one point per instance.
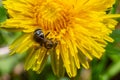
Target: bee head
point(38, 35)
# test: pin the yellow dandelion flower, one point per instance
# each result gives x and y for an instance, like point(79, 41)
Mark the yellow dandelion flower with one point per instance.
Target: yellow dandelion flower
point(80, 29)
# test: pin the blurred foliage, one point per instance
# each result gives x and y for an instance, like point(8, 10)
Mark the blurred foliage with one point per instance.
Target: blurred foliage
point(3, 14)
point(107, 68)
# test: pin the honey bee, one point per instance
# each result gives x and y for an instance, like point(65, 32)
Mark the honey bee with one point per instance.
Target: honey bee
point(40, 38)
point(40, 50)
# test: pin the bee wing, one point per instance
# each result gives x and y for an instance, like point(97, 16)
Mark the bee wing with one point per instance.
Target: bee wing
point(36, 59)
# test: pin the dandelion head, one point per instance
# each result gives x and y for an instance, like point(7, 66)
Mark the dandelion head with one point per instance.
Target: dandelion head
point(79, 28)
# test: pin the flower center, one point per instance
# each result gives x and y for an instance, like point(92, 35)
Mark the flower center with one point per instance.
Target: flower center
point(52, 17)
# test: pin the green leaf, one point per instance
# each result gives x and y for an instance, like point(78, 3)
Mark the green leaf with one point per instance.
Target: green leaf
point(112, 70)
point(113, 48)
point(113, 9)
point(3, 14)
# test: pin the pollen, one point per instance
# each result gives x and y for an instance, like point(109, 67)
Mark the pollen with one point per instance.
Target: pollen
point(52, 16)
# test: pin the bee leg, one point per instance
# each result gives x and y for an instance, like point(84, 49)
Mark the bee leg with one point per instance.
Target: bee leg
point(50, 38)
point(55, 44)
point(47, 34)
